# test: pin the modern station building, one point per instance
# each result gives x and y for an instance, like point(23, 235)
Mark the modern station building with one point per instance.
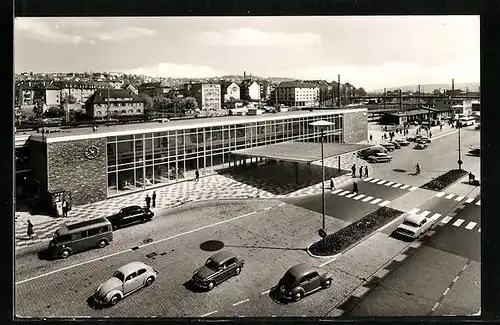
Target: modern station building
point(89, 166)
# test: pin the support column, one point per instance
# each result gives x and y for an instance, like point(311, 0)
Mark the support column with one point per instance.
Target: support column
point(339, 165)
point(296, 167)
point(234, 162)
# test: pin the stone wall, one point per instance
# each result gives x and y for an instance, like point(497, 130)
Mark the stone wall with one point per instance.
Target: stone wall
point(69, 169)
point(355, 127)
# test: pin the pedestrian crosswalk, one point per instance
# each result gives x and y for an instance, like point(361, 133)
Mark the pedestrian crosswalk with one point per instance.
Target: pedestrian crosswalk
point(361, 197)
point(458, 198)
point(390, 184)
point(444, 220)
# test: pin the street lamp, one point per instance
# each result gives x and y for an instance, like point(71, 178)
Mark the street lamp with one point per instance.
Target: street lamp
point(322, 126)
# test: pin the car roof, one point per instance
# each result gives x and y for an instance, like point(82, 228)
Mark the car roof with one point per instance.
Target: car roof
point(300, 270)
point(131, 267)
point(131, 207)
point(415, 218)
point(221, 257)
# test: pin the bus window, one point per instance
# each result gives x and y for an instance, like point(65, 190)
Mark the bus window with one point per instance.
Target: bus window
point(93, 232)
point(84, 234)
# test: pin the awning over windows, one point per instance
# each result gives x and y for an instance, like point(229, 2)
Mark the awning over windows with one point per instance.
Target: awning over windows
point(301, 152)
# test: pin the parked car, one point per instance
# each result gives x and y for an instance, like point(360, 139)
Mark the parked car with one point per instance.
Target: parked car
point(395, 144)
point(218, 268)
point(421, 145)
point(413, 138)
point(379, 157)
point(475, 152)
point(301, 280)
point(389, 146)
point(129, 215)
point(414, 226)
point(478, 127)
point(126, 280)
point(425, 139)
point(364, 154)
point(402, 142)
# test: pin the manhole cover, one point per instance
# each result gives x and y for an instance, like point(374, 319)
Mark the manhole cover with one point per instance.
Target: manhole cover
point(147, 240)
point(211, 245)
point(399, 170)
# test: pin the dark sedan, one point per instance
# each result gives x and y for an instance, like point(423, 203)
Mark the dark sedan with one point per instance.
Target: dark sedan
point(129, 215)
point(217, 269)
point(301, 280)
point(475, 152)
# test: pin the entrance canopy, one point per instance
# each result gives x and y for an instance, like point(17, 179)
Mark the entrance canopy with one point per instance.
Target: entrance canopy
point(300, 152)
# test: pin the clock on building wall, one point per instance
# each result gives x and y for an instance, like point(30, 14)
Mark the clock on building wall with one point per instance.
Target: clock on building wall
point(91, 152)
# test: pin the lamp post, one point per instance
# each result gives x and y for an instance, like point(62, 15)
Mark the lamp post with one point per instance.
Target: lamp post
point(322, 126)
point(459, 126)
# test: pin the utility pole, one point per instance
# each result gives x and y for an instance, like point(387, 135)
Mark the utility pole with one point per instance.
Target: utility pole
point(338, 90)
point(400, 100)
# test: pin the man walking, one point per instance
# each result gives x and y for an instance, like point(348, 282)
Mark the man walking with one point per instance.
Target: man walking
point(197, 174)
point(355, 188)
point(30, 230)
point(353, 168)
point(366, 171)
point(148, 201)
point(332, 184)
point(371, 138)
point(65, 208)
point(360, 171)
point(154, 199)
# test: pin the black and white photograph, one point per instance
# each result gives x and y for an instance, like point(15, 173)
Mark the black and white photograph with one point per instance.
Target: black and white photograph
point(254, 166)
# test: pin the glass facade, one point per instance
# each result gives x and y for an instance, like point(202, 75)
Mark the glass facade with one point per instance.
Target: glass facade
point(141, 161)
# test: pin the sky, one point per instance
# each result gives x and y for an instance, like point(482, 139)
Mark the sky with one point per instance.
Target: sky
point(370, 52)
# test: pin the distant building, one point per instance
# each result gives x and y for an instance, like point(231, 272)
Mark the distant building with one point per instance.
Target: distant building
point(296, 93)
point(476, 106)
point(121, 102)
point(81, 91)
point(250, 90)
point(153, 89)
point(207, 95)
point(44, 93)
point(265, 90)
point(325, 89)
point(448, 107)
point(230, 89)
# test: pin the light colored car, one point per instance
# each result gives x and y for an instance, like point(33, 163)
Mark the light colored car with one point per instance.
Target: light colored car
point(379, 157)
point(421, 145)
point(126, 280)
point(414, 226)
point(403, 142)
point(425, 139)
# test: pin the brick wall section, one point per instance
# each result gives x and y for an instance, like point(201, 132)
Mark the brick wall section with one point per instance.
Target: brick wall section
point(69, 169)
point(38, 162)
point(355, 127)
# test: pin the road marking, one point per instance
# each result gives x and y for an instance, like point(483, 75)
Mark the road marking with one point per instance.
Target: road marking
point(240, 302)
point(337, 191)
point(469, 200)
point(374, 180)
point(404, 187)
point(359, 196)
point(465, 266)
point(446, 291)
point(367, 179)
point(140, 246)
point(389, 184)
point(455, 279)
point(458, 222)
point(460, 198)
point(435, 216)
point(413, 211)
point(435, 306)
point(425, 213)
point(210, 313)
point(449, 196)
point(397, 185)
point(383, 204)
point(446, 220)
point(478, 202)
point(350, 195)
point(368, 198)
point(413, 189)
point(343, 193)
point(471, 225)
point(329, 261)
point(381, 182)
point(440, 194)
point(376, 201)
point(265, 292)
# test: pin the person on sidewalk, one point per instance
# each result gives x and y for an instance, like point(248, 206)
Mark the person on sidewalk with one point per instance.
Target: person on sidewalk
point(366, 171)
point(332, 184)
point(65, 207)
point(154, 199)
point(31, 233)
point(371, 138)
point(148, 201)
point(472, 177)
point(197, 175)
point(417, 169)
point(353, 168)
point(360, 171)
point(430, 134)
point(440, 127)
point(355, 188)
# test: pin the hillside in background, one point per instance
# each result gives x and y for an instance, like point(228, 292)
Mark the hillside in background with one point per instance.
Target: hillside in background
point(429, 88)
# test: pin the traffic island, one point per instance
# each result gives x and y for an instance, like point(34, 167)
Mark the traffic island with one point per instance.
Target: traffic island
point(443, 181)
point(351, 234)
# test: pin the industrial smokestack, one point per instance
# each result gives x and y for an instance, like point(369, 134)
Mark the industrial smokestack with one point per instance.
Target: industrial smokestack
point(452, 84)
point(400, 99)
point(244, 74)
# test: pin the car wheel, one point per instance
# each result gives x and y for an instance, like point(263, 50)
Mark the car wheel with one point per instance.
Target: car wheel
point(65, 253)
point(327, 283)
point(114, 300)
point(237, 271)
point(211, 285)
point(150, 280)
point(298, 295)
point(102, 243)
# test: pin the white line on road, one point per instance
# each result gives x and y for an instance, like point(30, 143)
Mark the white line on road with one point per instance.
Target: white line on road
point(479, 230)
point(240, 302)
point(141, 246)
point(344, 193)
point(449, 196)
point(469, 200)
point(413, 189)
point(460, 198)
point(465, 266)
point(435, 306)
point(478, 202)
point(404, 187)
point(471, 225)
point(425, 213)
point(265, 292)
point(337, 191)
point(350, 195)
point(455, 279)
point(374, 180)
point(396, 185)
point(381, 182)
point(329, 261)
point(368, 198)
point(446, 291)
point(375, 201)
point(210, 313)
point(359, 196)
point(389, 184)
point(435, 216)
point(446, 220)
point(413, 211)
point(383, 204)
point(440, 194)
point(367, 179)
point(458, 222)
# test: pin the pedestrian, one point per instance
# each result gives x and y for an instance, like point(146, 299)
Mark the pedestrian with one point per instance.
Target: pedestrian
point(366, 171)
point(417, 169)
point(360, 171)
point(332, 184)
point(430, 134)
point(353, 168)
point(440, 127)
point(30, 230)
point(148, 201)
point(65, 207)
point(197, 174)
point(154, 199)
point(471, 177)
point(385, 136)
point(355, 188)
point(371, 138)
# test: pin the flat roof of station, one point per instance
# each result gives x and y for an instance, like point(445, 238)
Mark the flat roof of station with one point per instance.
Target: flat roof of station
point(138, 128)
point(301, 152)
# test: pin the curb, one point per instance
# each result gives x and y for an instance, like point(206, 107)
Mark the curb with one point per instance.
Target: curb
point(316, 256)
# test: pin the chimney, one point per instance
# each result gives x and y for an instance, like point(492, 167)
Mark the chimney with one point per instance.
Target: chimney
point(244, 74)
point(452, 84)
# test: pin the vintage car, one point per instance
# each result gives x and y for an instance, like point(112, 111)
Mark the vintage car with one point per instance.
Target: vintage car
point(388, 145)
point(421, 145)
point(217, 269)
point(365, 153)
point(424, 139)
point(129, 215)
point(478, 127)
point(379, 157)
point(301, 280)
point(126, 280)
point(395, 144)
point(414, 226)
point(402, 142)
point(475, 152)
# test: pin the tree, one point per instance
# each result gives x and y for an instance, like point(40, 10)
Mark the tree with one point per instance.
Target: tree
point(38, 109)
point(54, 112)
point(69, 99)
point(190, 104)
point(162, 103)
point(361, 91)
point(148, 101)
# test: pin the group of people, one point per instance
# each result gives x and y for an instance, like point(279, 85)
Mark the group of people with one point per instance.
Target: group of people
point(148, 200)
